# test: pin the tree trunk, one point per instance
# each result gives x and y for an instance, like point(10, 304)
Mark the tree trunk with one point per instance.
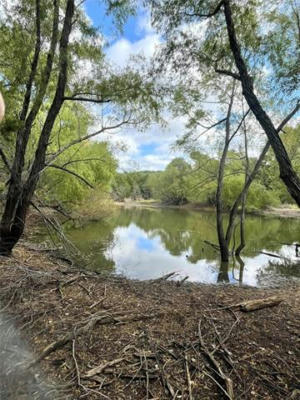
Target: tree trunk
point(244, 199)
point(20, 195)
point(224, 245)
point(223, 276)
point(287, 173)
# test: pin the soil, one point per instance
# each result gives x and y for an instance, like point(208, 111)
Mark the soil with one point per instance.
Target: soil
point(151, 340)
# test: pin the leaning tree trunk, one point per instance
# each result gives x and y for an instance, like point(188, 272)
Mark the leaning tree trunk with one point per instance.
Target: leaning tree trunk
point(287, 173)
point(244, 199)
point(223, 243)
point(20, 195)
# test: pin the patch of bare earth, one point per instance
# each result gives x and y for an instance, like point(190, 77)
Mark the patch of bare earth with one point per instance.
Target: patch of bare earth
point(112, 338)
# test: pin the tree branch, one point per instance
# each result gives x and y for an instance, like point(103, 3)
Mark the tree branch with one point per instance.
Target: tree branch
point(239, 125)
point(288, 117)
point(209, 15)
point(86, 137)
point(72, 173)
point(86, 99)
point(228, 73)
point(4, 159)
point(82, 160)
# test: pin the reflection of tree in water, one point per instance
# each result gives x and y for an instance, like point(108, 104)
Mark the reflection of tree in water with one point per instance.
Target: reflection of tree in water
point(278, 270)
point(183, 232)
point(94, 240)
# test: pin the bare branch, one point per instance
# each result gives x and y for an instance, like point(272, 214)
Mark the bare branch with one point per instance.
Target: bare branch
point(213, 125)
point(86, 137)
point(239, 125)
point(72, 173)
point(82, 160)
point(288, 117)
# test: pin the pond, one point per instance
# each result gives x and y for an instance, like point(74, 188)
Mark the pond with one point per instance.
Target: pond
point(146, 243)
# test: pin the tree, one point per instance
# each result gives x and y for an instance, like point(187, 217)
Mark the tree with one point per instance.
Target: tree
point(53, 78)
point(233, 43)
point(172, 185)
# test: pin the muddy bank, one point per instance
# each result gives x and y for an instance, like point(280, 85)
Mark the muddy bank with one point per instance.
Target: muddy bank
point(101, 337)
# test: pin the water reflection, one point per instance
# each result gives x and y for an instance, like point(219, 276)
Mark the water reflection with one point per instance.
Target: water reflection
point(147, 243)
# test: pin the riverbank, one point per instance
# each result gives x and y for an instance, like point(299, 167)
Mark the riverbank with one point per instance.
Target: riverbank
point(288, 211)
point(109, 337)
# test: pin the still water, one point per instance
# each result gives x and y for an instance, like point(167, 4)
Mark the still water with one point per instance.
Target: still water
point(146, 243)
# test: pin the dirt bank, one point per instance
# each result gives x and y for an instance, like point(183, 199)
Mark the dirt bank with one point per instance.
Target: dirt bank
point(112, 338)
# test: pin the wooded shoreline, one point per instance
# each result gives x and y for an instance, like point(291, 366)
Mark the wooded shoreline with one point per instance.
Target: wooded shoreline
point(282, 212)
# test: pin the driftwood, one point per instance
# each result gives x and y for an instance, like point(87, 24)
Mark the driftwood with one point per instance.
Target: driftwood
point(252, 305)
point(181, 282)
point(165, 277)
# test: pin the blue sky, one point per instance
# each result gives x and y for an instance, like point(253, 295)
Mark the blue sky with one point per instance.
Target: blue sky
point(149, 149)
point(95, 9)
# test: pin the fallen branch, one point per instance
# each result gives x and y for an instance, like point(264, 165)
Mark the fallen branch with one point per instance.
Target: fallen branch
point(181, 282)
point(165, 277)
point(227, 382)
point(188, 377)
point(252, 305)
point(103, 319)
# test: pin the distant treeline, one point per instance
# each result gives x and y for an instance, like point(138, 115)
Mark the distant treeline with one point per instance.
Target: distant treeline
point(196, 181)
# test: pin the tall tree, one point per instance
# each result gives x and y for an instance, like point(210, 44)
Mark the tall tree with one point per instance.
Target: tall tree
point(52, 75)
point(233, 42)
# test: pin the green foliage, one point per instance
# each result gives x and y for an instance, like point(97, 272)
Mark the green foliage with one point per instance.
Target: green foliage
point(90, 160)
point(173, 183)
point(258, 197)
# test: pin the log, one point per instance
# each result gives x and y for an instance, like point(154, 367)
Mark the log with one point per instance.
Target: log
point(252, 305)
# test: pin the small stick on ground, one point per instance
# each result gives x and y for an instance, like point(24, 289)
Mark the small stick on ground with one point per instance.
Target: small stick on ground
point(227, 382)
point(100, 368)
point(188, 377)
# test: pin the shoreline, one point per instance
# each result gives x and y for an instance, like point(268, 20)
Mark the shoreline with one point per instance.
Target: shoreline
point(110, 337)
point(281, 212)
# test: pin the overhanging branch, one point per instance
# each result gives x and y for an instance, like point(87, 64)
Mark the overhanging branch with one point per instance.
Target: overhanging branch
point(86, 137)
point(72, 173)
point(86, 99)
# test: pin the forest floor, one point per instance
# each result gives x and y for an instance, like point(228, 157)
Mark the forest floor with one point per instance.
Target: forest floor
point(102, 337)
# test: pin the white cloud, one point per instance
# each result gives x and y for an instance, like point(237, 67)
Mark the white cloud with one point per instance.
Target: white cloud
point(121, 51)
